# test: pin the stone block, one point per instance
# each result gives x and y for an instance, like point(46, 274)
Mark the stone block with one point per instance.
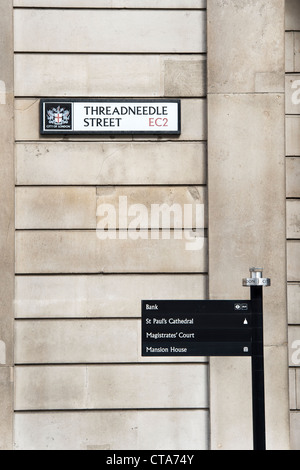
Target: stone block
point(297, 51)
point(246, 151)
point(83, 207)
point(295, 430)
point(298, 387)
point(55, 207)
point(83, 252)
point(166, 31)
point(293, 218)
point(111, 163)
point(156, 4)
point(236, 376)
point(86, 75)
point(111, 387)
point(6, 409)
point(293, 291)
point(7, 225)
point(96, 296)
point(244, 158)
point(253, 44)
point(289, 52)
point(155, 207)
point(185, 76)
point(276, 359)
point(293, 260)
point(293, 177)
point(292, 15)
point(112, 430)
point(77, 341)
point(292, 388)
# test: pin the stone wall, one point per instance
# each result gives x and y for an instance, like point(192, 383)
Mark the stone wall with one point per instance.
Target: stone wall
point(293, 207)
point(71, 371)
point(80, 380)
point(246, 193)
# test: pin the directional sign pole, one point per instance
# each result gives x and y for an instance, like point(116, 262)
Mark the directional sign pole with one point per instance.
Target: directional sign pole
point(213, 328)
point(256, 283)
point(258, 392)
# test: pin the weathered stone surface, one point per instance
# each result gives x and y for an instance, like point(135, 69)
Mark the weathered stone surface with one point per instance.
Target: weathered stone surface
point(112, 430)
point(236, 376)
point(83, 252)
point(6, 225)
point(67, 180)
point(252, 43)
point(97, 296)
point(293, 303)
point(298, 385)
point(293, 260)
point(297, 51)
point(84, 207)
point(100, 75)
point(6, 409)
point(80, 341)
point(115, 163)
point(292, 135)
point(295, 430)
point(293, 218)
point(111, 387)
point(293, 51)
point(55, 207)
point(293, 177)
point(185, 76)
point(6, 180)
point(155, 207)
point(246, 151)
point(244, 159)
point(292, 387)
point(164, 31)
point(289, 52)
point(276, 359)
point(113, 3)
point(292, 15)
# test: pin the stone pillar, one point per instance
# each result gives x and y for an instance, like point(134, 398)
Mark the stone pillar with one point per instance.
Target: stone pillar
point(246, 186)
point(6, 224)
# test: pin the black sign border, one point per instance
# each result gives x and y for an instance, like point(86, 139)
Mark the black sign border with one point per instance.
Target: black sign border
point(221, 308)
point(56, 132)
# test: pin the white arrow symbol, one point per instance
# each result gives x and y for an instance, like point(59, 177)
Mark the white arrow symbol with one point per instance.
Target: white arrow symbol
point(246, 321)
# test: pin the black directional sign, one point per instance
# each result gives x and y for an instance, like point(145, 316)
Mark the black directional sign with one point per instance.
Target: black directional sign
point(213, 328)
point(196, 328)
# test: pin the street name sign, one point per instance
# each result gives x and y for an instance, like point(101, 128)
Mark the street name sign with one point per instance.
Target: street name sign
point(110, 116)
point(196, 328)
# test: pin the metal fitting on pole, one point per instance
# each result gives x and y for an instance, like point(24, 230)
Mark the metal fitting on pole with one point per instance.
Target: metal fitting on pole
point(256, 283)
point(256, 278)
